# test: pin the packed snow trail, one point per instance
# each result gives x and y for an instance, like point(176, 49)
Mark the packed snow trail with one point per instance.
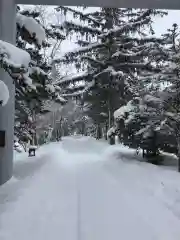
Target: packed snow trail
point(80, 190)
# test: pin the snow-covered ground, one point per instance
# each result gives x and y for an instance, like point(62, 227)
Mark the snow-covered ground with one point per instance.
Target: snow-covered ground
point(82, 189)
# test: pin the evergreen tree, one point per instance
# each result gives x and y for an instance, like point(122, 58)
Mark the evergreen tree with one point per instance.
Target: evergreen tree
point(111, 55)
point(154, 123)
point(38, 87)
point(30, 71)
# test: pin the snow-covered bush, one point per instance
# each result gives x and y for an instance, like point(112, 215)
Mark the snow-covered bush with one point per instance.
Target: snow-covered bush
point(18, 147)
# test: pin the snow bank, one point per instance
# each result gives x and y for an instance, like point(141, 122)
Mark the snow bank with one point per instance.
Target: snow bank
point(32, 26)
point(135, 200)
point(4, 93)
point(19, 156)
point(121, 152)
point(23, 156)
point(159, 182)
point(14, 56)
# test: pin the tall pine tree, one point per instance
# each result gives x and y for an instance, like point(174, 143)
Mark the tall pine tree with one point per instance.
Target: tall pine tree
point(111, 55)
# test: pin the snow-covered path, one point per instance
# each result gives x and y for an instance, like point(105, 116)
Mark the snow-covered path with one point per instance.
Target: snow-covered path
point(78, 190)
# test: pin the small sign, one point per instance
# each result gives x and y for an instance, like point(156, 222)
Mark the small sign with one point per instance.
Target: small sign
point(2, 138)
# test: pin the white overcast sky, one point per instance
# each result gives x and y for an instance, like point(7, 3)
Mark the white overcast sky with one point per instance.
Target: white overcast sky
point(162, 24)
point(160, 27)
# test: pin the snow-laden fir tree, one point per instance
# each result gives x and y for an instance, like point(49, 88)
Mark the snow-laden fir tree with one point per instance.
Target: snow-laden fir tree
point(155, 123)
point(30, 70)
point(114, 48)
point(170, 95)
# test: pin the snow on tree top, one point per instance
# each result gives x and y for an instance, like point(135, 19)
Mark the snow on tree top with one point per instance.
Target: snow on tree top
point(110, 70)
point(172, 65)
point(79, 50)
point(127, 54)
point(145, 132)
point(37, 70)
point(125, 27)
point(72, 77)
point(89, 85)
point(104, 114)
point(149, 98)
point(117, 73)
point(61, 99)
point(170, 114)
point(111, 132)
point(87, 48)
point(32, 26)
point(14, 56)
point(129, 119)
point(57, 88)
point(119, 113)
point(29, 82)
point(50, 88)
point(30, 119)
point(4, 93)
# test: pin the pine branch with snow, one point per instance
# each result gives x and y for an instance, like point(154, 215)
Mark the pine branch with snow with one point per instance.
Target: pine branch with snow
point(36, 86)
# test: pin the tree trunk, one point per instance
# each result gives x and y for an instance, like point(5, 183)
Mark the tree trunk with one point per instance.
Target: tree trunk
point(106, 130)
point(118, 139)
point(178, 162)
point(109, 115)
point(34, 135)
point(112, 140)
point(60, 130)
point(98, 132)
point(35, 138)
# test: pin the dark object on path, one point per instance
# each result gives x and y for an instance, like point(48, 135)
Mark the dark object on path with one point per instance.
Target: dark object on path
point(32, 150)
point(112, 140)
